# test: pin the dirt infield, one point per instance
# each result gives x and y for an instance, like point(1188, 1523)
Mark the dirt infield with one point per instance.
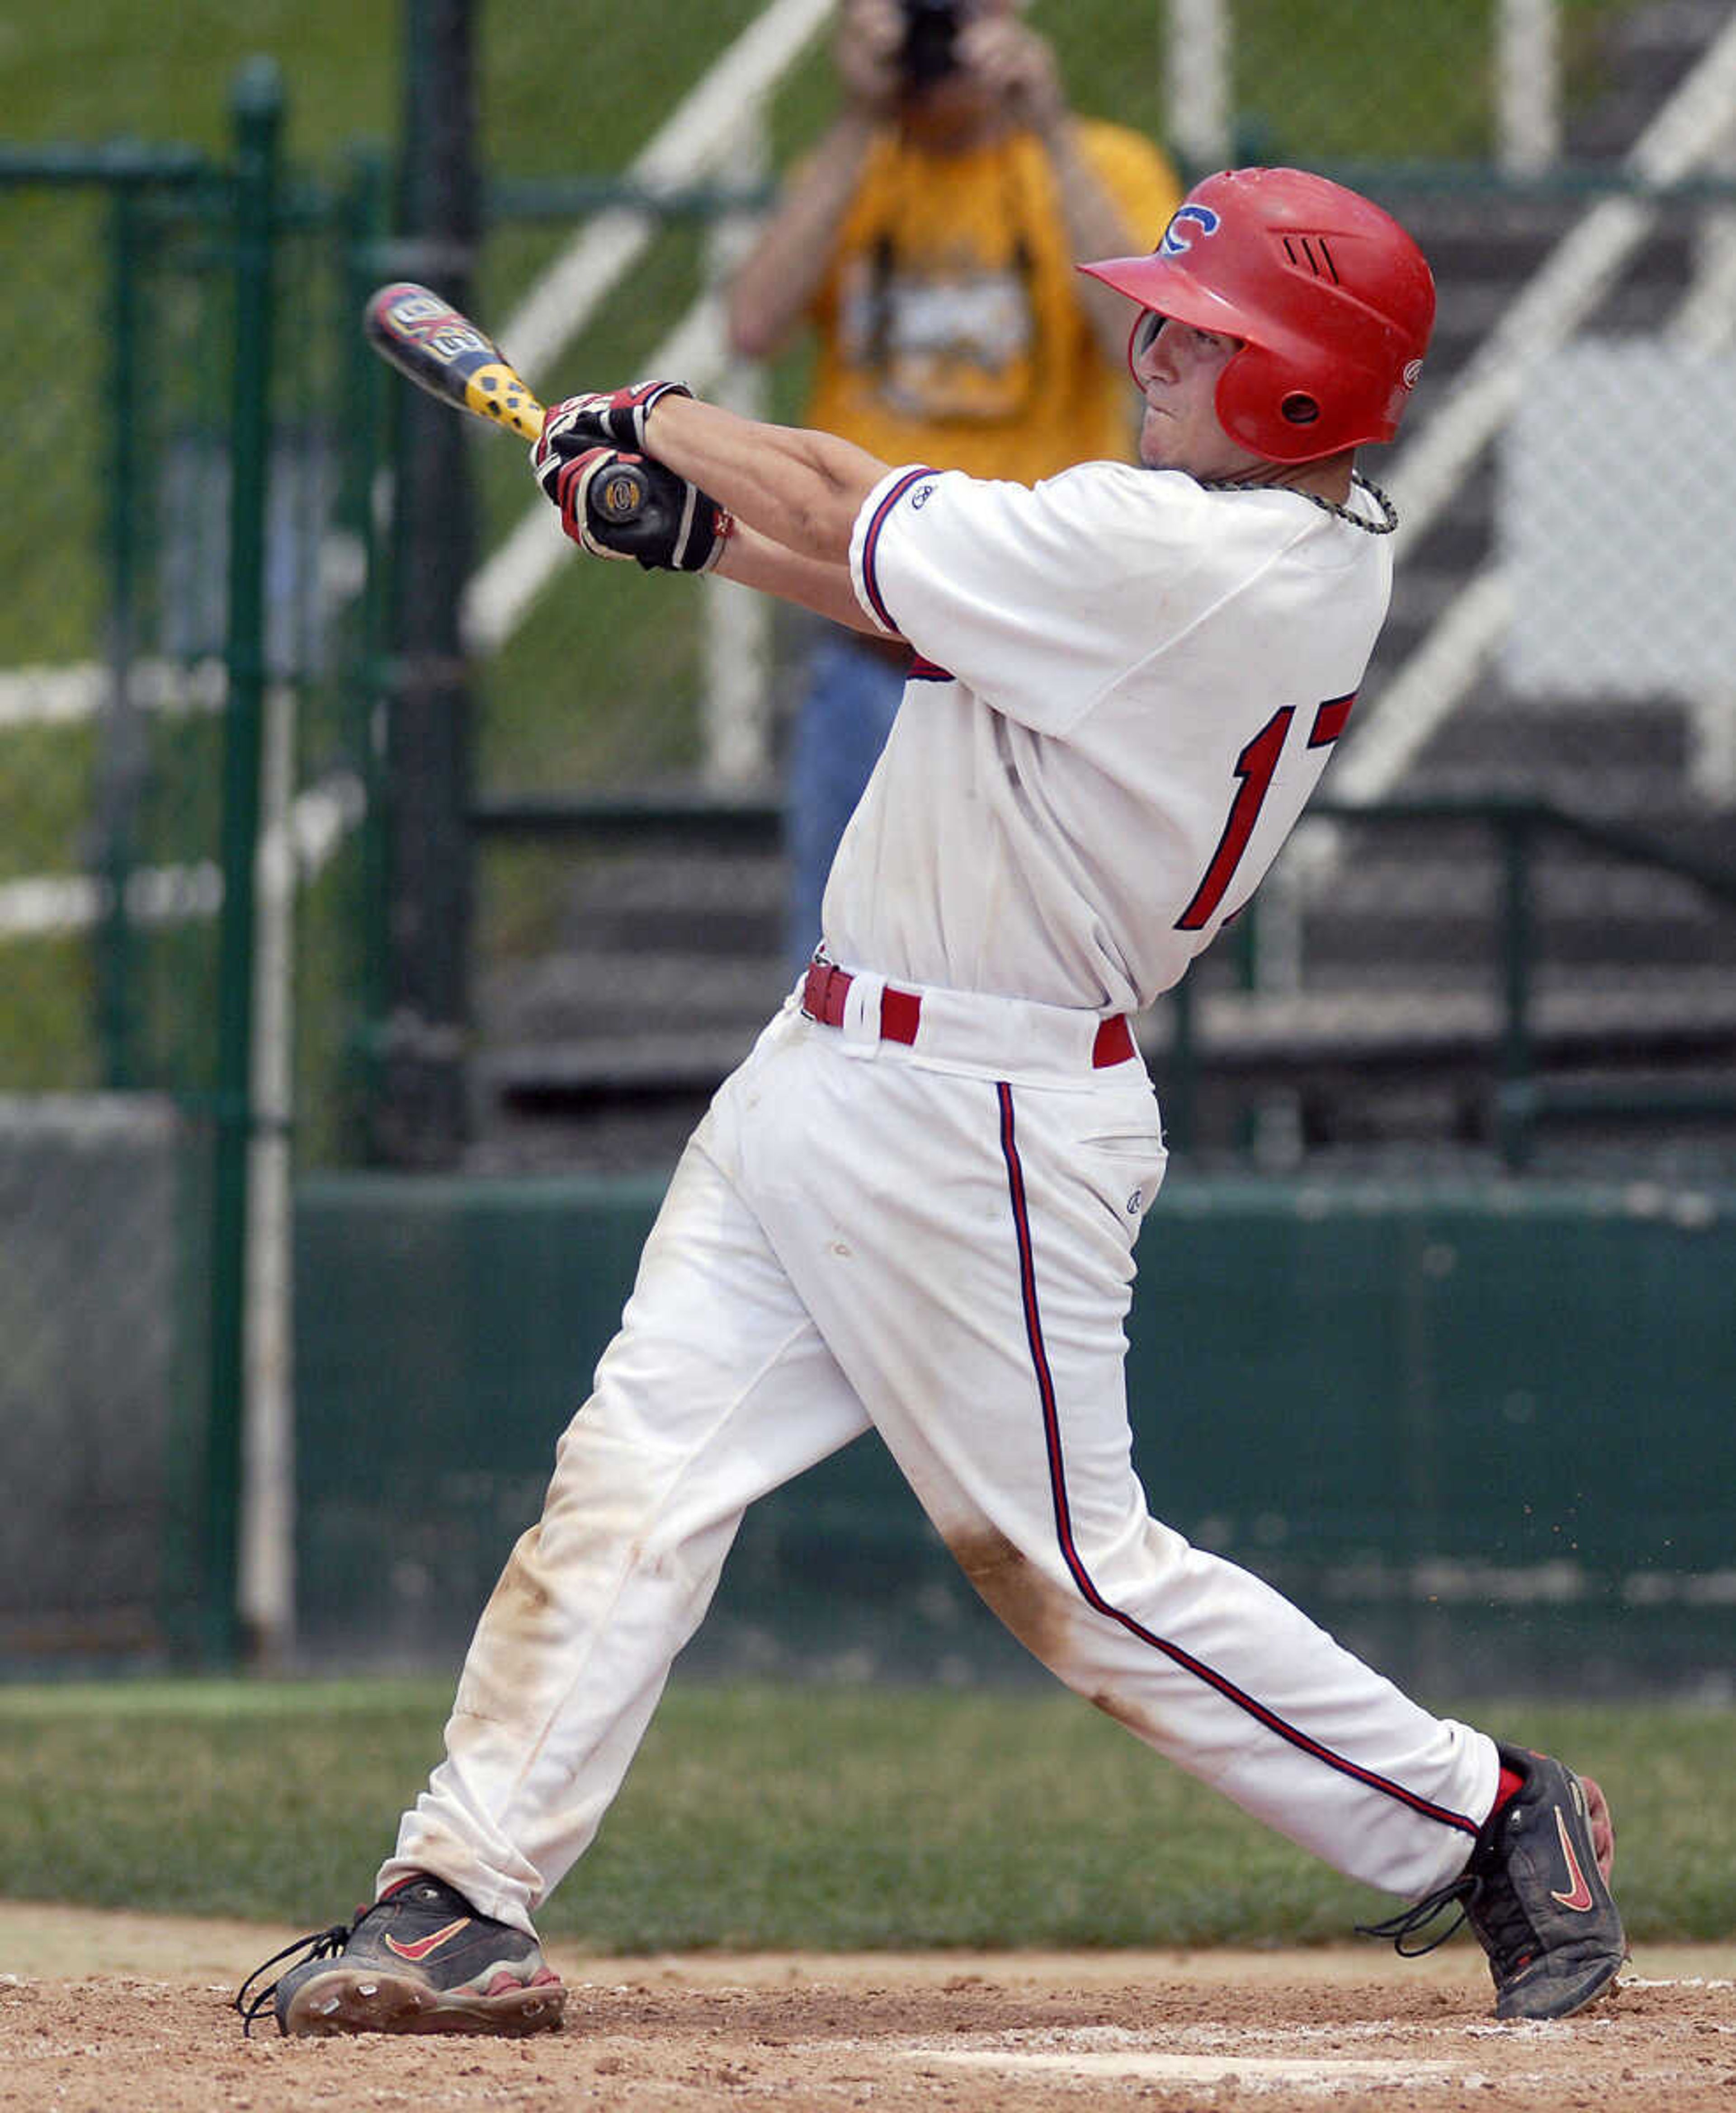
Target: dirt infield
point(129, 2014)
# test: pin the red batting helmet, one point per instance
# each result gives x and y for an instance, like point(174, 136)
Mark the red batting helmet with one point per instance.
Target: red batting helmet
point(1332, 300)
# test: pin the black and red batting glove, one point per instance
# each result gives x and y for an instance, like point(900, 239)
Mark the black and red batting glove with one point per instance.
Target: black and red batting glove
point(603, 418)
point(616, 505)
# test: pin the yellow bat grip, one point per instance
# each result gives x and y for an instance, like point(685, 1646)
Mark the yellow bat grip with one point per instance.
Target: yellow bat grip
point(496, 392)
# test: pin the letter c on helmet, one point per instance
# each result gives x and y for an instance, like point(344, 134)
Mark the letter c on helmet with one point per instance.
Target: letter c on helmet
point(1178, 239)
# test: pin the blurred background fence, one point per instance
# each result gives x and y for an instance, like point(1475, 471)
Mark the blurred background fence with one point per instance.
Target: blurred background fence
point(182, 767)
point(312, 796)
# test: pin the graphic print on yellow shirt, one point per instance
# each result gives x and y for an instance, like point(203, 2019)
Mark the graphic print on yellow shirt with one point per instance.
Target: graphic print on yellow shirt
point(948, 335)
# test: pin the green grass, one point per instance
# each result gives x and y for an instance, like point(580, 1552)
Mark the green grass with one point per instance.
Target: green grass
point(99, 69)
point(47, 1033)
point(780, 1816)
point(583, 91)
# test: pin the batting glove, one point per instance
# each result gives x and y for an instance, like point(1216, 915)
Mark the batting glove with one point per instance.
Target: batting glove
point(615, 505)
point(611, 418)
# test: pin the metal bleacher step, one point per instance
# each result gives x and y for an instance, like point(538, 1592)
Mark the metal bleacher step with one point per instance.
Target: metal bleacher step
point(639, 900)
point(598, 993)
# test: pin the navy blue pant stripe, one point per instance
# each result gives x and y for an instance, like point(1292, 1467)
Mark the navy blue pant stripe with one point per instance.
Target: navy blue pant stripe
point(1075, 1562)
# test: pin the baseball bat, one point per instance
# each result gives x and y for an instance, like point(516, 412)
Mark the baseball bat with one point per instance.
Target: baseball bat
point(441, 350)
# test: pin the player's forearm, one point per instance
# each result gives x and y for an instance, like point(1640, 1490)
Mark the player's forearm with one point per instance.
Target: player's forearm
point(772, 290)
point(754, 560)
point(1094, 228)
point(801, 489)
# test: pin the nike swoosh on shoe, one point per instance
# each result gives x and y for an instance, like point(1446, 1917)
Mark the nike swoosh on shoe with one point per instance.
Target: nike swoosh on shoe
point(426, 1947)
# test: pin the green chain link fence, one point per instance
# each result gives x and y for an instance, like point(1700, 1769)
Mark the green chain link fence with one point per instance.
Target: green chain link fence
point(1529, 865)
point(184, 774)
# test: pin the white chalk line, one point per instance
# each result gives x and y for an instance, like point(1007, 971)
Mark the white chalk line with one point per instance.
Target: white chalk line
point(1225, 2055)
point(1246, 2070)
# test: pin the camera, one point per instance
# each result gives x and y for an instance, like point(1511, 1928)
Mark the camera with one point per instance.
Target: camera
point(928, 53)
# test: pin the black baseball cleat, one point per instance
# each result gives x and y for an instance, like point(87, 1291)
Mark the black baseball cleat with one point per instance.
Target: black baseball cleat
point(422, 1960)
point(1536, 1896)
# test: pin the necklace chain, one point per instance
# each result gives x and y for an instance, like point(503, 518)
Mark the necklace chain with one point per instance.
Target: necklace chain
point(1387, 522)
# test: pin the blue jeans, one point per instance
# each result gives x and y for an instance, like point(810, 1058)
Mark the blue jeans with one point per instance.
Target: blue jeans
point(846, 713)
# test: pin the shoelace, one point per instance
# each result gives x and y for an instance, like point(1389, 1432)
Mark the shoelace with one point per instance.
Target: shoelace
point(322, 1944)
point(1409, 1921)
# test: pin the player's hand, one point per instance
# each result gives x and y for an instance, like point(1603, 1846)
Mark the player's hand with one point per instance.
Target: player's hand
point(1017, 67)
point(870, 40)
point(618, 504)
point(603, 418)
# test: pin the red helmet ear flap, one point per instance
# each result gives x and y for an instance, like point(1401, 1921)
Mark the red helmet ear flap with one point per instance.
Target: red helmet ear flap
point(1287, 412)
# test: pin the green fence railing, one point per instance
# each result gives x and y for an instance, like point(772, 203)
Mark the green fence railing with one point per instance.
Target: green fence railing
point(1525, 1098)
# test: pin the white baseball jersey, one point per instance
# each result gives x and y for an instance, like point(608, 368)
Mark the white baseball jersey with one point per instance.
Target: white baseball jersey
point(1077, 792)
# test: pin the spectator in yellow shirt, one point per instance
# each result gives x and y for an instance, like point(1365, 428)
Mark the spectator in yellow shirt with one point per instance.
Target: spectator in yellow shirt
point(929, 239)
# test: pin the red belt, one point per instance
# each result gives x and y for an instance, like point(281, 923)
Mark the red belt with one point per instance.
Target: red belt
point(825, 986)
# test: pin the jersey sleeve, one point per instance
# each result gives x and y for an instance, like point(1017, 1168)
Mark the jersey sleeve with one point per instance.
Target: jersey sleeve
point(1038, 597)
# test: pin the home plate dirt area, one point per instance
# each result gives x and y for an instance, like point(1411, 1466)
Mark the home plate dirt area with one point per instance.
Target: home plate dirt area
point(130, 2014)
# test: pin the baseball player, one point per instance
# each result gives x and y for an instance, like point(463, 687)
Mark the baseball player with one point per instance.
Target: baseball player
point(914, 1206)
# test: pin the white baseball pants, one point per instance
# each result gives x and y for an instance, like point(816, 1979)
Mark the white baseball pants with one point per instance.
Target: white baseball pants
point(937, 1241)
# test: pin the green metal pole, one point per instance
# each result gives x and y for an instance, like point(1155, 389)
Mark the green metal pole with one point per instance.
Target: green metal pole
point(420, 1116)
point(257, 109)
point(121, 761)
point(367, 224)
